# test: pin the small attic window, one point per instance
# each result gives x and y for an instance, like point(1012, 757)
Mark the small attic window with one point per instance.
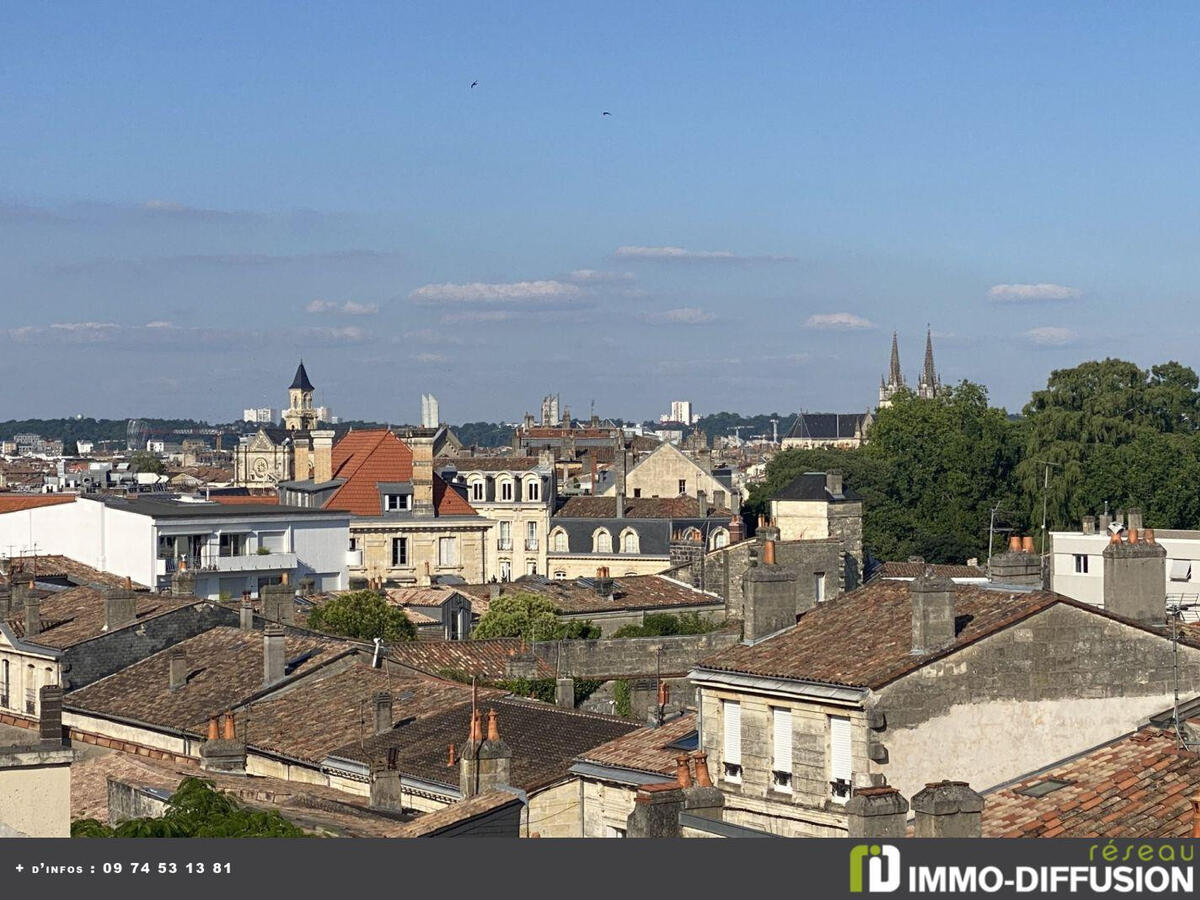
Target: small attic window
point(1042, 788)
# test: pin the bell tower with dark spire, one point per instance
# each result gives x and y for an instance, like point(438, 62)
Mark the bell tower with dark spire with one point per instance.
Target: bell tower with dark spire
point(929, 385)
point(895, 378)
point(300, 414)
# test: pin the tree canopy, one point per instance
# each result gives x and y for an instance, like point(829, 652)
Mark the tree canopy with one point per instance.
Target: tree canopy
point(196, 809)
point(531, 617)
point(364, 615)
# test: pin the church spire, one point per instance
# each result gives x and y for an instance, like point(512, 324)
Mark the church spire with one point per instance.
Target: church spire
point(895, 376)
point(929, 380)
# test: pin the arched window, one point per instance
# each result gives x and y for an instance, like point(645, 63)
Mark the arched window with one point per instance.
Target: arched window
point(558, 541)
point(533, 489)
point(602, 541)
point(559, 575)
point(506, 490)
point(477, 489)
point(629, 541)
point(720, 538)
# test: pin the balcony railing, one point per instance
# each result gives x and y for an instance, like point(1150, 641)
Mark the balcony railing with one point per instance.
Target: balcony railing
point(504, 543)
point(246, 562)
point(531, 543)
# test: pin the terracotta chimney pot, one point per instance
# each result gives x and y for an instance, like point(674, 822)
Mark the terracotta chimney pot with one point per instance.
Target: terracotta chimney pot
point(1014, 544)
point(1116, 538)
point(493, 730)
point(1133, 535)
point(1195, 801)
point(683, 774)
point(1148, 535)
point(1027, 544)
point(230, 733)
point(768, 553)
point(703, 779)
point(214, 728)
point(452, 760)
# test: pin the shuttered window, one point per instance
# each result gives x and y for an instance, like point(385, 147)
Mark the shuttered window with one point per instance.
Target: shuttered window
point(839, 758)
point(781, 740)
point(732, 716)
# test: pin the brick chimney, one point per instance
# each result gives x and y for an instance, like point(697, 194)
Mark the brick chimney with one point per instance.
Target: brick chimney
point(177, 670)
point(382, 702)
point(322, 456)
point(876, 812)
point(1135, 577)
point(948, 809)
point(120, 607)
point(274, 661)
point(932, 613)
point(421, 444)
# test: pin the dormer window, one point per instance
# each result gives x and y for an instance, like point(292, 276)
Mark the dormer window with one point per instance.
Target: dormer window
point(397, 502)
point(506, 490)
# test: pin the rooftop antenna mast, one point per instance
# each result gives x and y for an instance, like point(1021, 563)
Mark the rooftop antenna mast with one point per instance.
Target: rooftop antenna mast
point(774, 431)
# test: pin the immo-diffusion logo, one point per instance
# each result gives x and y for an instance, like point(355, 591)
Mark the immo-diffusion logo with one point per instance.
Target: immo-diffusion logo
point(880, 863)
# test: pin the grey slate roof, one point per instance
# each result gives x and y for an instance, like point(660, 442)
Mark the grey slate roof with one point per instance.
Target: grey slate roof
point(826, 426)
point(811, 486)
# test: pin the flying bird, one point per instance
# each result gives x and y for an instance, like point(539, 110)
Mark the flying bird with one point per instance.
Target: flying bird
point(606, 114)
point(473, 83)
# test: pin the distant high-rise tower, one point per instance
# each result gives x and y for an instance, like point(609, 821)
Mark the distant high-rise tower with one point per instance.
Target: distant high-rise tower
point(550, 414)
point(430, 417)
point(300, 415)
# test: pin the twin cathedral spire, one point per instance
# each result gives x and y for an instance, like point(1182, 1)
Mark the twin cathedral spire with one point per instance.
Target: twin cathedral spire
point(929, 384)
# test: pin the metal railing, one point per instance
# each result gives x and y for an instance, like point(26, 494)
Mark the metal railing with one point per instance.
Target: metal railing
point(503, 543)
point(531, 543)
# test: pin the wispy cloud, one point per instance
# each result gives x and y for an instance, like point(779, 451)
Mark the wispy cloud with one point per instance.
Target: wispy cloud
point(169, 209)
point(1051, 336)
point(1032, 293)
point(224, 260)
point(597, 276)
point(478, 292)
point(349, 334)
point(838, 321)
point(476, 315)
point(683, 315)
point(679, 254)
point(349, 308)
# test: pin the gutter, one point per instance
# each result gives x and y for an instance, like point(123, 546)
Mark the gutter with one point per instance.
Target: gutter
point(796, 688)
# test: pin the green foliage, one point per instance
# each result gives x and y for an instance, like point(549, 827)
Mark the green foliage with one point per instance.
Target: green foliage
point(530, 617)
point(1113, 431)
point(722, 424)
point(365, 615)
point(484, 434)
point(145, 461)
point(196, 809)
point(622, 705)
point(584, 688)
point(536, 688)
point(667, 624)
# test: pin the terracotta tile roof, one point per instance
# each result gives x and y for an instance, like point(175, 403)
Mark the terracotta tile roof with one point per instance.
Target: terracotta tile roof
point(488, 463)
point(484, 659)
point(76, 615)
point(226, 666)
point(1134, 787)
point(315, 808)
point(17, 502)
point(544, 740)
point(645, 750)
point(434, 595)
point(637, 508)
point(914, 569)
point(334, 707)
point(63, 567)
point(367, 458)
point(430, 824)
point(864, 638)
point(629, 592)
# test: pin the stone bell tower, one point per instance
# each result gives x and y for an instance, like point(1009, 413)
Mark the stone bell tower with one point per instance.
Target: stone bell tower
point(300, 414)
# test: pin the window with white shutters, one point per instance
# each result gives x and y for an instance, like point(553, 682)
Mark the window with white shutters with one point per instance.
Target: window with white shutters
point(732, 757)
point(839, 758)
point(781, 740)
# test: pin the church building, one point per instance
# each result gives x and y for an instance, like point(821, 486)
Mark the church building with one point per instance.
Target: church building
point(269, 456)
point(929, 383)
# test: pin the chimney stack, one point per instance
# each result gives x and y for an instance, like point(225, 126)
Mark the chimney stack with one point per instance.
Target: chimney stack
point(603, 582)
point(702, 504)
point(177, 670)
point(278, 602)
point(833, 484)
point(301, 454)
point(1195, 801)
point(120, 608)
point(701, 798)
point(322, 456)
point(33, 616)
point(1089, 524)
point(223, 752)
point(383, 712)
point(246, 613)
point(932, 613)
point(274, 662)
point(948, 809)
point(770, 598)
point(876, 812)
point(619, 471)
point(737, 530)
point(1018, 566)
point(50, 725)
point(421, 444)
point(1134, 519)
point(484, 764)
point(183, 582)
point(1135, 575)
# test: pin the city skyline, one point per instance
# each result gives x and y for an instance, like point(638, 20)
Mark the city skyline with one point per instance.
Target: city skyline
point(746, 232)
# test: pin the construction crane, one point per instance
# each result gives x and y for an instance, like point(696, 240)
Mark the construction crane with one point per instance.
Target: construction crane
point(737, 434)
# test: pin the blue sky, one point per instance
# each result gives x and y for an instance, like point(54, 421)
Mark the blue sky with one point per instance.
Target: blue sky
point(194, 195)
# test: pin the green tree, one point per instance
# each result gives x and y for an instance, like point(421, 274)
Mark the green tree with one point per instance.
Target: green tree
point(530, 617)
point(667, 624)
point(364, 615)
point(145, 461)
point(196, 809)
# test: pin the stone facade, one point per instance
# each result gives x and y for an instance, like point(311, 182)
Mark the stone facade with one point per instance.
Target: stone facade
point(667, 472)
point(374, 539)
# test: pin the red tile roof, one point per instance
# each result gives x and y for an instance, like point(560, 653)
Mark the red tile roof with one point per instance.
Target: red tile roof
point(913, 569)
point(367, 458)
point(17, 502)
point(242, 499)
point(645, 750)
point(1134, 787)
